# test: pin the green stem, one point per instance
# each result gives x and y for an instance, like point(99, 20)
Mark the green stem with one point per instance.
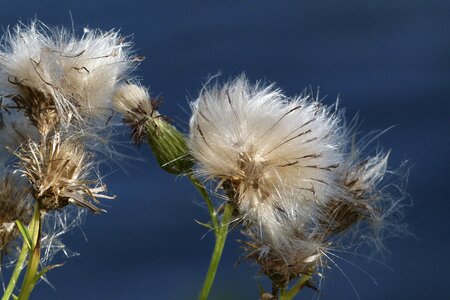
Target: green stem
point(289, 295)
point(221, 236)
point(29, 280)
point(212, 212)
point(16, 273)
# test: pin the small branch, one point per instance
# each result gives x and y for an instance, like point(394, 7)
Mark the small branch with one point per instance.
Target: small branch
point(290, 294)
point(221, 236)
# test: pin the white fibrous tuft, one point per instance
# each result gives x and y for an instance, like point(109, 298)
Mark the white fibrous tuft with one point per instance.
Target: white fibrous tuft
point(128, 98)
point(285, 164)
point(56, 224)
point(137, 107)
point(77, 75)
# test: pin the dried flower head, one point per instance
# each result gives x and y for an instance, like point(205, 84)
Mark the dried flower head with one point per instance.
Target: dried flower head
point(52, 73)
point(266, 145)
point(59, 172)
point(15, 204)
point(285, 163)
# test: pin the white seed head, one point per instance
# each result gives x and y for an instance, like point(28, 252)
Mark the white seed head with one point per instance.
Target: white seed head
point(76, 73)
point(267, 146)
point(286, 166)
point(128, 98)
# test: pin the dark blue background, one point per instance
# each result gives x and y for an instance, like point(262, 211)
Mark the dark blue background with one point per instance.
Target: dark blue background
point(389, 60)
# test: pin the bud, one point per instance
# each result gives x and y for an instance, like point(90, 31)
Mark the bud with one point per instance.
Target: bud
point(140, 113)
point(169, 146)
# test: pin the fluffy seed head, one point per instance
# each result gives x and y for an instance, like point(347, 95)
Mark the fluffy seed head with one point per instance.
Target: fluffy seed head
point(286, 164)
point(266, 145)
point(51, 69)
point(59, 172)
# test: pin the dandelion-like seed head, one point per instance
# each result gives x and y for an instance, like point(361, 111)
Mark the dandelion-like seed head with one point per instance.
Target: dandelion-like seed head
point(51, 72)
point(59, 172)
point(285, 165)
point(265, 145)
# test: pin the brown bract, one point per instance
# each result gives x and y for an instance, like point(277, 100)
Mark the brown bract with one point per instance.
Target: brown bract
point(59, 173)
point(37, 106)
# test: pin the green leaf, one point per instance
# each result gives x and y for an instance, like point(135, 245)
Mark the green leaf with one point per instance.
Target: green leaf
point(45, 270)
point(207, 225)
point(260, 288)
point(25, 233)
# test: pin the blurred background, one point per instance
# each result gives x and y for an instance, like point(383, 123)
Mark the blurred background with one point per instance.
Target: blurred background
point(387, 60)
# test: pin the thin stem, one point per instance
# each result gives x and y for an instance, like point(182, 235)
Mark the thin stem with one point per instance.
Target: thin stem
point(16, 273)
point(212, 212)
point(289, 295)
point(29, 280)
point(221, 236)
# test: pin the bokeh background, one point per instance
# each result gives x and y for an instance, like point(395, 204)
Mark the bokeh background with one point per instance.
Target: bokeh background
point(388, 60)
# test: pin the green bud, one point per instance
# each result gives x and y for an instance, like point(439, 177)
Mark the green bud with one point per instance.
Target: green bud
point(169, 146)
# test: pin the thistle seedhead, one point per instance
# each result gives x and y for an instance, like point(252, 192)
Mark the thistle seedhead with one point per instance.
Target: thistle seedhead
point(268, 146)
point(53, 73)
point(60, 174)
point(297, 188)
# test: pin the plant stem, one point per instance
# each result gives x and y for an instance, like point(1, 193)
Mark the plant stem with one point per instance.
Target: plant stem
point(29, 280)
point(221, 236)
point(16, 273)
point(289, 295)
point(212, 212)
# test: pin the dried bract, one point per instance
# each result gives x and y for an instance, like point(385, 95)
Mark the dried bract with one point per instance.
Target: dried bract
point(60, 173)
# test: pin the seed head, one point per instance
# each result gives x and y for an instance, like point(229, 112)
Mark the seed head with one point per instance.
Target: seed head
point(53, 73)
point(59, 172)
point(285, 162)
point(266, 146)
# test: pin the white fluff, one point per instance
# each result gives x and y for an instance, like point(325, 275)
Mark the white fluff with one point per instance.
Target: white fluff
point(75, 72)
point(128, 98)
point(280, 154)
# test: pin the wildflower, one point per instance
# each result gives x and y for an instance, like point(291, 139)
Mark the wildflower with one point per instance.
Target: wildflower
point(140, 112)
point(54, 76)
point(59, 171)
point(15, 205)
